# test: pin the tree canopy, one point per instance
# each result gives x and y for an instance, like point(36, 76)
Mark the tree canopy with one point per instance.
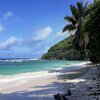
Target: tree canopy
point(92, 27)
point(85, 21)
point(79, 12)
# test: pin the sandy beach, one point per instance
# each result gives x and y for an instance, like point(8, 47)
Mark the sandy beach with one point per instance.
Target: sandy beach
point(43, 88)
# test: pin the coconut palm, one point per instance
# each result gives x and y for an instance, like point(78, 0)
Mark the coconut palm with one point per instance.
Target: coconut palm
point(76, 21)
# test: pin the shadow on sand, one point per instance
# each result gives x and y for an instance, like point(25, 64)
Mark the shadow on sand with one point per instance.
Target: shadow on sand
point(46, 92)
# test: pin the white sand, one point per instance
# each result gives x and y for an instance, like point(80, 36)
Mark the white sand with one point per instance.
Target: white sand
point(43, 88)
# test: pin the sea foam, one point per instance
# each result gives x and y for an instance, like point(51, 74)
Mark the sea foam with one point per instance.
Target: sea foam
point(6, 81)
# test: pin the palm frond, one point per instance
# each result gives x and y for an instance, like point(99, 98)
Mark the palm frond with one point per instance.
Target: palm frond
point(69, 27)
point(80, 8)
point(74, 11)
point(85, 10)
point(85, 7)
point(70, 19)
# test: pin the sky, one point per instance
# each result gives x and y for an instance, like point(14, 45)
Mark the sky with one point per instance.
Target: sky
point(28, 28)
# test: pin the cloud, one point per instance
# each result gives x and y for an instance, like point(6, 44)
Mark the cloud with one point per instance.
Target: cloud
point(59, 33)
point(9, 43)
point(42, 34)
point(8, 14)
point(1, 28)
point(67, 33)
point(42, 39)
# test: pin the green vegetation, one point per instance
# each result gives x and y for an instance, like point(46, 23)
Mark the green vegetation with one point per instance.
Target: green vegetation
point(85, 42)
point(79, 12)
point(92, 27)
point(63, 50)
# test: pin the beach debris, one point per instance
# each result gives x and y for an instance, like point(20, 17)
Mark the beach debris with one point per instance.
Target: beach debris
point(69, 93)
point(89, 88)
point(62, 96)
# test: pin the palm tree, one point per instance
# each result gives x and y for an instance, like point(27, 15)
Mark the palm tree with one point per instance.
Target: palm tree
point(79, 12)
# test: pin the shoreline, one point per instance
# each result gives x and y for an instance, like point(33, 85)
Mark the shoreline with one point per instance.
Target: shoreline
point(46, 86)
point(25, 78)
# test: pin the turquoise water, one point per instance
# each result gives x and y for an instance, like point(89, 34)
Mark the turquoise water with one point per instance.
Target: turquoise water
point(10, 67)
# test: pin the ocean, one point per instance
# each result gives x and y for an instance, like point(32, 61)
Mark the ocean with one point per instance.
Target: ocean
point(15, 72)
point(17, 66)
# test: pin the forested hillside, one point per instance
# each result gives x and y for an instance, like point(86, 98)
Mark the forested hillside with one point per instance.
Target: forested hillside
point(63, 50)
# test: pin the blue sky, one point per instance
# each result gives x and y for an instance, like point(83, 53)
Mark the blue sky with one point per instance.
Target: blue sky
point(28, 28)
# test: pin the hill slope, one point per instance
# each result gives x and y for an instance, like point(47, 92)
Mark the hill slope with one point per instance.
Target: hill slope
point(63, 50)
